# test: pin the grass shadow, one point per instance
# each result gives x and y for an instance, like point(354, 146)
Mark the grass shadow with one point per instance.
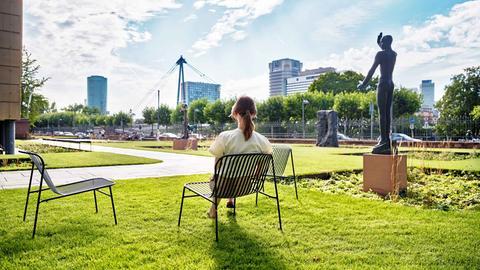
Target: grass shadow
point(239, 249)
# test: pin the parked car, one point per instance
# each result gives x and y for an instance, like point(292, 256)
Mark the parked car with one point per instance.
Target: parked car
point(58, 133)
point(68, 134)
point(168, 135)
point(197, 136)
point(81, 135)
point(343, 137)
point(400, 137)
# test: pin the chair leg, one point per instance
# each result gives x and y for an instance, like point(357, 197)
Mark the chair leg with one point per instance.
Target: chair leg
point(278, 204)
point(216, 222)
point(295, 182)
point(113, 205)
point(36, 215)
point(95, 198)
point(256, 199)
point(28, 195)
point(234, 205)
point(181, 207)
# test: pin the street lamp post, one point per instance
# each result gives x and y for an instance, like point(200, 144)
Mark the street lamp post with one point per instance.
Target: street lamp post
point(194, 119)
point(304, 102)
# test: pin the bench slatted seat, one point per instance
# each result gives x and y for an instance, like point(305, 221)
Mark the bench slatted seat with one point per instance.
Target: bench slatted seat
point(281, 153)
point(235, 176)
point(94, 185)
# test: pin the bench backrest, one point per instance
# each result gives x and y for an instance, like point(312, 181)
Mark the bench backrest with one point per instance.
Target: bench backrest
point(240, 175)
point(38, 162)
point(281, 153)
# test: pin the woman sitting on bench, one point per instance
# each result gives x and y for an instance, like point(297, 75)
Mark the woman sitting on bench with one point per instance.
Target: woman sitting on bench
point(241, 140)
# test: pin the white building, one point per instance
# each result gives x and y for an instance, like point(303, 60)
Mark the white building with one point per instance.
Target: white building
point(427, 89)
point(300, 84)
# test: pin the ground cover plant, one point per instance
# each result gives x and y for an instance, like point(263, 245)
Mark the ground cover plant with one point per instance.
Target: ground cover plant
point(61, 157)
point(448, 191)
point(321, 230)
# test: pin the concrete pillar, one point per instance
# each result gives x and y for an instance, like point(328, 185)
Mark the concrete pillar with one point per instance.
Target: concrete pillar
point(10, 70)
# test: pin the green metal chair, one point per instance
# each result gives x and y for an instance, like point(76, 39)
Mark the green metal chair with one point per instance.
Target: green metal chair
point(281, 153)
point(94, 185)
point(235, 176)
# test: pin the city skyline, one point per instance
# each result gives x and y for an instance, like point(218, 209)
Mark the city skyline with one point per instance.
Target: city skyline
point(134, 44)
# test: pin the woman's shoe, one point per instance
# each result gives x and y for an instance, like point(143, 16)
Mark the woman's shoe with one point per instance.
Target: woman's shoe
point(230, 204)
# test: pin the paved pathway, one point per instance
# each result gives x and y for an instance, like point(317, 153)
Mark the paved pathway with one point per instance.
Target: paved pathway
point(173, 164)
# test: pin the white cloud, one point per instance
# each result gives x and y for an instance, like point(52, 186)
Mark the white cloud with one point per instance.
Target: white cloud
point(238, 14)
point(190, 18)
point(246, 86)
point(73, 41)
point(437, 49)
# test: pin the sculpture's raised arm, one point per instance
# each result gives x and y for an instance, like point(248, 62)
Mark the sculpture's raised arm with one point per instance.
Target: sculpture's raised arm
point(379, 39)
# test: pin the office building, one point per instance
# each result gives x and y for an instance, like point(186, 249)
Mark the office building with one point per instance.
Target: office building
point(97, 93)
point(300, 84)
point(427, 89)
point(280, 70)
point(198, 90)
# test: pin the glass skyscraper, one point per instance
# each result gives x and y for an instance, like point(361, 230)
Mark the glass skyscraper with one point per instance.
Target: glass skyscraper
point(198, 90)
point(97, 93)
point(280, 71)
point(427, 89)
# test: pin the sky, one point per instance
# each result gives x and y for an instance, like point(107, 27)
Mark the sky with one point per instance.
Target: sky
point(135, 43)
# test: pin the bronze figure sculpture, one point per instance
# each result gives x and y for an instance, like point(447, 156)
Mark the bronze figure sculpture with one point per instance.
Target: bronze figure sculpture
point(386, 59)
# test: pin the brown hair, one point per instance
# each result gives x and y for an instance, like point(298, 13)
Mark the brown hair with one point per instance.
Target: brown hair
point(245, 107)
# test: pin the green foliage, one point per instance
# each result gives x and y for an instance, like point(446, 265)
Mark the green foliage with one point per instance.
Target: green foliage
point(352, 105)
point(405, 102)
point(33, 103)
point(459, 100)
point(271, 110)
point(196, 110)
point(122, 119)
point(177, 115)
point(45, 148)
point(437, 191)
point(339, 82)
point(165, 115)
point(475, 113)
point(215, 113)
point(149, 116)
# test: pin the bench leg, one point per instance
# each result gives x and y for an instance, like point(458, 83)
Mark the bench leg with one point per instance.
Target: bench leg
point(113, 205)
point(181, 207)
point(95, 198)
point(216, 221)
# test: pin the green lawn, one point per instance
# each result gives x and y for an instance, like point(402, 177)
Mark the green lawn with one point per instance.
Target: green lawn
point(81, 159)
point(320, 231)
point(311, 160)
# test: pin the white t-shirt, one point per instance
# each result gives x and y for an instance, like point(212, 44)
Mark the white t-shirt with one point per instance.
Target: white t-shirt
point(233, 142)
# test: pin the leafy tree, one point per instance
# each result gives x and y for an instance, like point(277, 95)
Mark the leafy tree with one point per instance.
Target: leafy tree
point(76, 108)
point(122, 119)
point(33, 103)
point(196, 111)
point(177, 115)
point(475, 113)
point(149, 116)
point(405, 102)
point(459, 100)
point(215, 114)
point(316, 101)
point(165, 115)
point(271, 110)
point(338, 82)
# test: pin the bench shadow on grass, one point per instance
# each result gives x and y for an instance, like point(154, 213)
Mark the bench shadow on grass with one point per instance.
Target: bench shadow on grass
point(237, 249)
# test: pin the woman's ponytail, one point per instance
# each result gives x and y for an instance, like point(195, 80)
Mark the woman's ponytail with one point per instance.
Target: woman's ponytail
point(245, 107)
point(248, 124)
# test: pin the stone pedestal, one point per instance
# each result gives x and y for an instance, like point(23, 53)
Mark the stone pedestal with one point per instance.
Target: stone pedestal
point(184, 144)
point(385, 174)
